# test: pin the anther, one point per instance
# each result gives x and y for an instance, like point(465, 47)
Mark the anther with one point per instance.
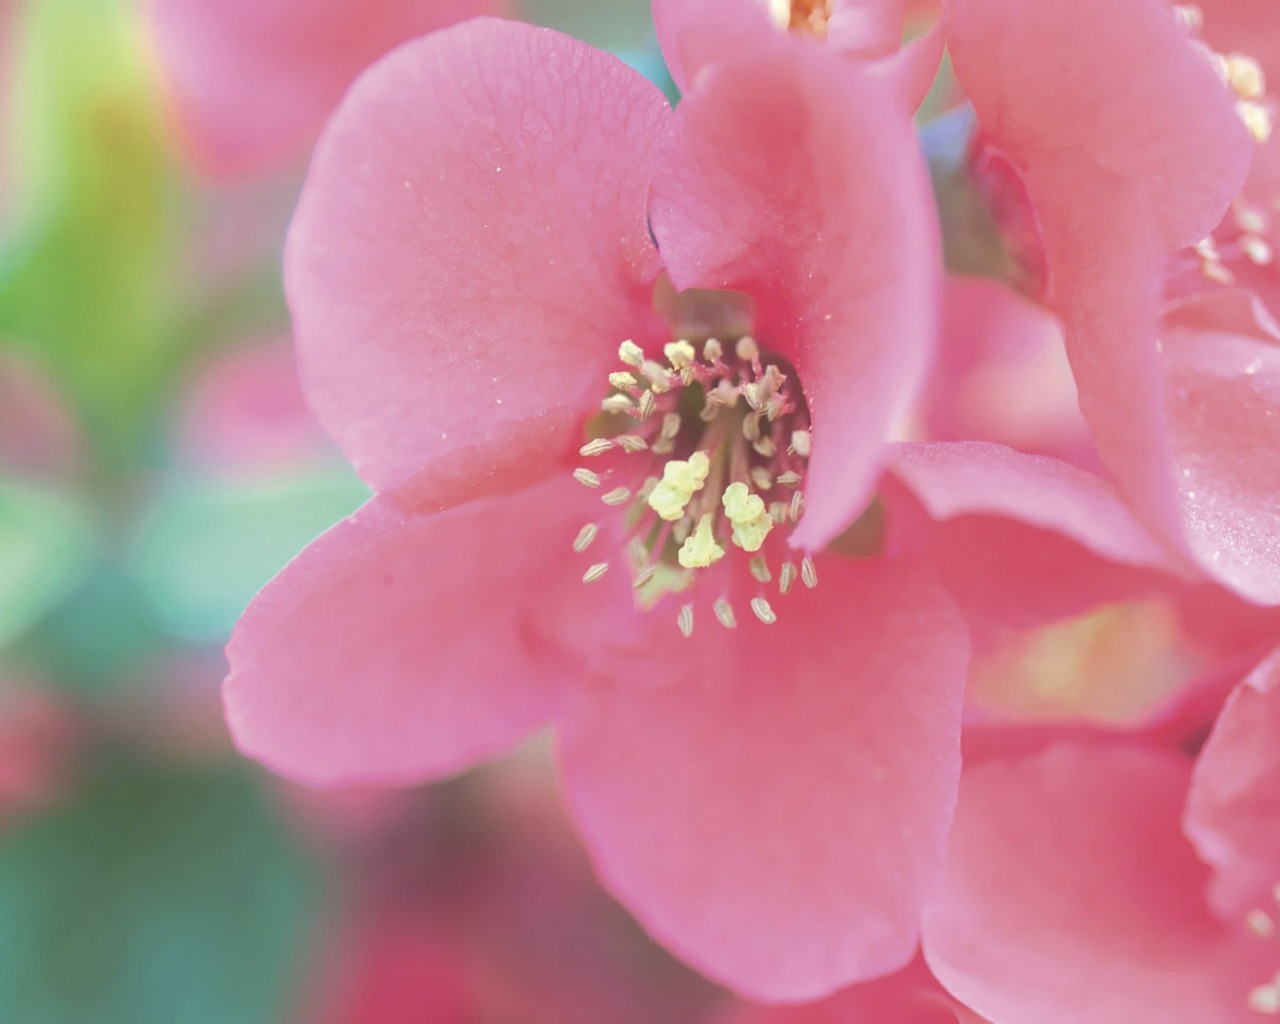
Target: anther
point(631, 442)
point(657, 375)
point(622, 380)
point(670, 425)
point(808, 572)
point(760, 569)
point(786, 577)
point(761, 478)
point(644, 576)
point(617, 496)
point(747, 350)
point(1256, 118)
point(1265, 999)
point(788, 479)
point(631, 353)
point(779, 511)
point(1256, 250)
point(797, 506)
point(724, 614)
point(763, 610)
point(646, 404)
point(1244, 75)
point(685, 620)
point(585, 476)
point(751, 428)
point(765, 447)
point(1260, 923)
point(801, 443)
point(595, 572)
point(585, 536)
point(680, 354)
point(712, 350)
point(598, 446)
point(618, 403)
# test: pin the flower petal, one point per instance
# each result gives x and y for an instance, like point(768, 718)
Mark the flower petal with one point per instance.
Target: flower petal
point(468, 253)
point(820, 211)
point(1235, 794)
point(774, 807)
point(253, 80)
point(1071, 87)
point(1070, 894)
point(399, 647)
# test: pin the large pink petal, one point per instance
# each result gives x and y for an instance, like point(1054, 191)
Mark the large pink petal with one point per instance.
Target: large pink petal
point(774, 807)
point(1224, 407)
point(253, 80)
point(400, 647)
point(1233, 810)
point(468, 253)
point(1071, 895)
point(820, 211)
point(1068, 88)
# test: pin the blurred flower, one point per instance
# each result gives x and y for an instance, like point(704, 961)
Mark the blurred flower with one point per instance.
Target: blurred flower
point(252, 81)
point(770, 791)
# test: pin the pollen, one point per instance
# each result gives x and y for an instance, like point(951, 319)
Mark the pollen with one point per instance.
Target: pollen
point(680, 481)
point(746, 511)
point(700, 548)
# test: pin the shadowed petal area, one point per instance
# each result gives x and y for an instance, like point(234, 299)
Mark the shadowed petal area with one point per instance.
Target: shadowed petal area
point(399, 647)
point(821, 212)
point(468, 253)
point(1233, 809)
point(1070, 894)
point(775, 806)
point(253, 80)
point(1070, 87)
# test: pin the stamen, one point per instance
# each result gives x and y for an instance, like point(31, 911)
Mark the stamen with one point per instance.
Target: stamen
point(631, 443)
point(1245, 76)
point(644, 576)
point(764, 611)
point(595, 572)
point(586, 477)
point(617, 496)
point(788, 479)
point(808, 572)
point(680, 481)
point(761, 478)
point(646, 404)
point(712, 351)
point(596, 447)
point(760, 569)
point(680, 354)
point(622, 380)
point(797, 506)
point(700, 549)
point(618, 403)
point(786, 577)
point(747, 350)
point(801, 443)
point(685, 620)
point(746, 511)
point(585, 536)
point(724, 614)
point(631, 353)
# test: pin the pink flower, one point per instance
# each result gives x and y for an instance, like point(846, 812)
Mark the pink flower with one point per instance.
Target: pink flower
point(696, 33)
point(1072, 894)
point(252, 81)
point(1177, 376)
point(471, 277)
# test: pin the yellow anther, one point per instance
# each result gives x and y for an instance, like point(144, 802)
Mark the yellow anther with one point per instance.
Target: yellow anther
point(685, 620)
point(618, 403)
point(622, 380)
point(712, 350)
point(1245, 76)
point(700, 549)
point(764, 611)
point(747, 349)
point(598, 446)
point(586, 477)
point(680, 480)
point(1256, 118)
point(595, 572)
point(724, 614)
point(585, 536)
point(801, 443)
point(680, 354)
point(631, 353)
point(746, 511)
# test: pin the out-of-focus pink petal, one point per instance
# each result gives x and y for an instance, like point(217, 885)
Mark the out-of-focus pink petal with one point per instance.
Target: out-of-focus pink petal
point(696, 33)
point(1224, 408)
point(912, 69)
point(468, 253)
point(820, 211)
point(1070, 894)
point(1003, 375)
point(1233, 809)
point(1070, 88)
point(400, 647)
point(253, 80)
point(774, 807)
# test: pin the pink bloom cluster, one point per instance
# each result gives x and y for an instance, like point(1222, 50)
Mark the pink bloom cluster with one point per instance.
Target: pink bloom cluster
point(681, 446)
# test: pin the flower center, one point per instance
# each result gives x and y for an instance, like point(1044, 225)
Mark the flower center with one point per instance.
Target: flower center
point(702, 456)
point(1264, 999)
point(805, 16)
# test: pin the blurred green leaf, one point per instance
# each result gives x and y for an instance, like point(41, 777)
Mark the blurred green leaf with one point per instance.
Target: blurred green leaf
point(169, 897)
point(211, 544)
point(45, 546)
